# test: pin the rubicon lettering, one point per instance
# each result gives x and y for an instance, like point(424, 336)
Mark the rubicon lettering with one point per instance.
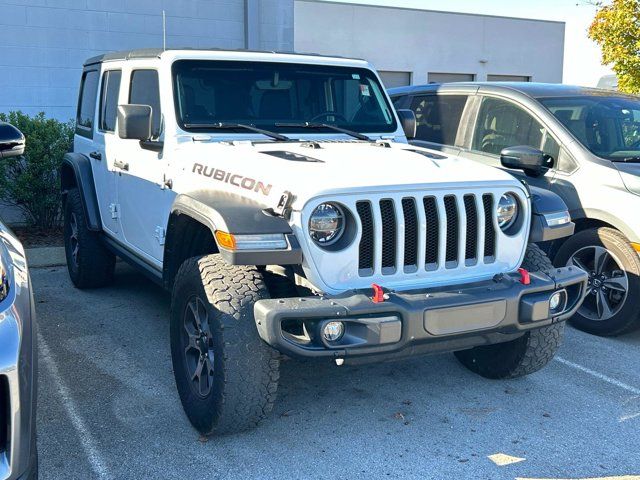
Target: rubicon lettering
point(234, 179)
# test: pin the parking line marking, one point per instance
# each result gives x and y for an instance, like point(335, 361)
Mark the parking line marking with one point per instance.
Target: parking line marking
point(601, 376)
point(88, 444)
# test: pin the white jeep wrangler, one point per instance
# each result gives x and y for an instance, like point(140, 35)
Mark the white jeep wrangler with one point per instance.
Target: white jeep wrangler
point(276, 197)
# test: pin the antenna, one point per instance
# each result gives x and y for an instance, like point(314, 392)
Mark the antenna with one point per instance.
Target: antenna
point(164, 30)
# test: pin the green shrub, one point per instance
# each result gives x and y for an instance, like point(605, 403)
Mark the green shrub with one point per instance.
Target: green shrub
point(32, 182)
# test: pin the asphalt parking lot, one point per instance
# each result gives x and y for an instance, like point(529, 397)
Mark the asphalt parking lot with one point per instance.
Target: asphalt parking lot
point(108, 408)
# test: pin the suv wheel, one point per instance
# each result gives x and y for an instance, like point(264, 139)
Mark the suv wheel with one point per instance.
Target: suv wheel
point(524, 355)
point(614, 268)
point(89, 262)
point(227, 377)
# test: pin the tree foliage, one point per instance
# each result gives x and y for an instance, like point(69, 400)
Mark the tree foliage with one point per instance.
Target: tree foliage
point(616, 29)
point(32, 182)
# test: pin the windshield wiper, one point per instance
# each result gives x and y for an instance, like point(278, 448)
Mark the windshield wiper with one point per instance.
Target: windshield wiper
point(359, 136)
point(231, 126)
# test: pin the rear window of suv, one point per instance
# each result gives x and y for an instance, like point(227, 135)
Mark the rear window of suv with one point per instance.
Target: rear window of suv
point(438, 117)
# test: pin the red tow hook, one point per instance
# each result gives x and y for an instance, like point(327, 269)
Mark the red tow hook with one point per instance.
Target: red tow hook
point(378, 293)
point(525, 278)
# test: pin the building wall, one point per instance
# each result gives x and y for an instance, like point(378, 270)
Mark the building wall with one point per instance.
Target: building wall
point(420, 41)
point(43, 43)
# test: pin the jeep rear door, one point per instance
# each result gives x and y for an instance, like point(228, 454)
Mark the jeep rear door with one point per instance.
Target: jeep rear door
point(144, 199)
point(95, 123)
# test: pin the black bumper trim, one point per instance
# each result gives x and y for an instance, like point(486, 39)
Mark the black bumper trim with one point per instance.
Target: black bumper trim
point(518, 306)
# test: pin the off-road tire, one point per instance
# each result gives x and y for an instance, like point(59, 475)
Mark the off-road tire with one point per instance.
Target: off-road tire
point(245, 369)
point(627, 318)
point(93, 266)
point(524, 355)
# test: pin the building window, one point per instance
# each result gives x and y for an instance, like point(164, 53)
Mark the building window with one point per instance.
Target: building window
point(87, 104)
point(395, 79)
point(109, 99)
point(444, 77)
point(508, 78)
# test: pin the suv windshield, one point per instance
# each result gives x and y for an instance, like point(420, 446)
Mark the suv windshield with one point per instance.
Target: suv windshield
point(609, 126)
point(279, 97)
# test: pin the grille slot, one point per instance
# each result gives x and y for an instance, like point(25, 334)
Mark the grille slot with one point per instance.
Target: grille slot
point(365, 260)
point(410, 232)
point(433, 232)
point(471, 247)
point(389, 229)
point(489, 229)
point(451, 210)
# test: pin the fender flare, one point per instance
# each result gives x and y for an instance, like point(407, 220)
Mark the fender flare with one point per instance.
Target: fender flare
point(237, 215)
point(76, 171)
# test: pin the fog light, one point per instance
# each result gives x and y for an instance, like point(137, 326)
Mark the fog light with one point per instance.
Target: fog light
point(333, 331)
point(556, 302)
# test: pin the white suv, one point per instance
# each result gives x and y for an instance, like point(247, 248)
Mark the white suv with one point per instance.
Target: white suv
point(276, 197)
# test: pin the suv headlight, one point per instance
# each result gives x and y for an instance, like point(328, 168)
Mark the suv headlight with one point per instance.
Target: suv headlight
point(327, 224)
point(507, 211)
point(4, 281)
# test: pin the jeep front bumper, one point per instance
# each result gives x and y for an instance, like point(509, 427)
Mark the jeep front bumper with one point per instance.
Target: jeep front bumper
point(420, 321)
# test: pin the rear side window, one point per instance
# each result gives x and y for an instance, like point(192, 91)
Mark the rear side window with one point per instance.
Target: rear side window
point(438, 117)
point(87, 103)
point(145, 90)
point(109, 99)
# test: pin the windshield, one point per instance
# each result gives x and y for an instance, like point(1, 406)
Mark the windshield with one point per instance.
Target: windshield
point(276, 96)
point(609, 126)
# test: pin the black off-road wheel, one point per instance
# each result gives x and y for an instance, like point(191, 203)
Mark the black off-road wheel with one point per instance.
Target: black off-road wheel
point(614, 280)
point(89, 262)
point(524, 355)
point(226, 376)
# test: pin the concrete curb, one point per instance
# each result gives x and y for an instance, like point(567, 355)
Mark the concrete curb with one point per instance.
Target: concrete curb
point(46, 257)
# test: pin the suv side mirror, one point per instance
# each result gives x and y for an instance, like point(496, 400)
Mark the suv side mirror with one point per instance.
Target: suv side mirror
point(408, 122)
point(134, 122)
point(532, 161)
point(11, 141)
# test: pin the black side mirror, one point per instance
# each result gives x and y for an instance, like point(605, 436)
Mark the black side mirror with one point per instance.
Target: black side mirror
point(408, 122)
point(11, 141)
point(134, 122)
point(532, 161)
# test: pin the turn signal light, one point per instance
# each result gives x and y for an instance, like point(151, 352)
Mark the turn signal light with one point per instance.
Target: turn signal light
point(225, 240)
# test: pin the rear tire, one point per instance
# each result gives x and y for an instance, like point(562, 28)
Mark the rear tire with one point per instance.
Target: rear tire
point(605, 311)
point(227, 377)
point(89, 262)
point(524, 355)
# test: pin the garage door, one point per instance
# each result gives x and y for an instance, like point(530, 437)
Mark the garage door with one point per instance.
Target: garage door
point(441, 77)
point(395, 79)
point(508, 78)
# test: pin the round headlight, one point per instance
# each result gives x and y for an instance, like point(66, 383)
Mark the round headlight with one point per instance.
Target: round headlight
point(507, 210)
point(326, 224)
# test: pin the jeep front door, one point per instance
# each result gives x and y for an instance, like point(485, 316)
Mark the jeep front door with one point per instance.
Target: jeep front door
point(144, 199)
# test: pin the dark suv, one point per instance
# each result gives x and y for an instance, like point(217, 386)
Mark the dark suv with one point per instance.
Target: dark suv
point(591, 140)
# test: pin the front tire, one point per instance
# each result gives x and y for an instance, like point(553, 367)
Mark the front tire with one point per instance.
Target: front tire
point(89, 262)
point(226, 376)
point(524, 355)
point(614, 280)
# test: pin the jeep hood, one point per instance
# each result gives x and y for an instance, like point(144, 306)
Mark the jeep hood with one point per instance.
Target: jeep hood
point(327, 168)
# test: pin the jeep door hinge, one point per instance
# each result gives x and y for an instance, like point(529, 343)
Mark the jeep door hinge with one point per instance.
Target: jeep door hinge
point(160, 235)
point(114, 209)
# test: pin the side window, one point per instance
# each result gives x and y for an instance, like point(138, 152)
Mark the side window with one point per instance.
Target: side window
point(87, 103)
point(502, 124)
point(398, 101)
point(438, 117)
point(565, 162)
point(109, 100)
point(145, 90)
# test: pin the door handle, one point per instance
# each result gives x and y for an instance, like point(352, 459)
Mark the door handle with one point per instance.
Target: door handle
point(96, 155)
point(121, 165)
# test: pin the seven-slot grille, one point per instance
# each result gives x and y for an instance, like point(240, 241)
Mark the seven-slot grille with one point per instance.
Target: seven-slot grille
point(426, 232)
